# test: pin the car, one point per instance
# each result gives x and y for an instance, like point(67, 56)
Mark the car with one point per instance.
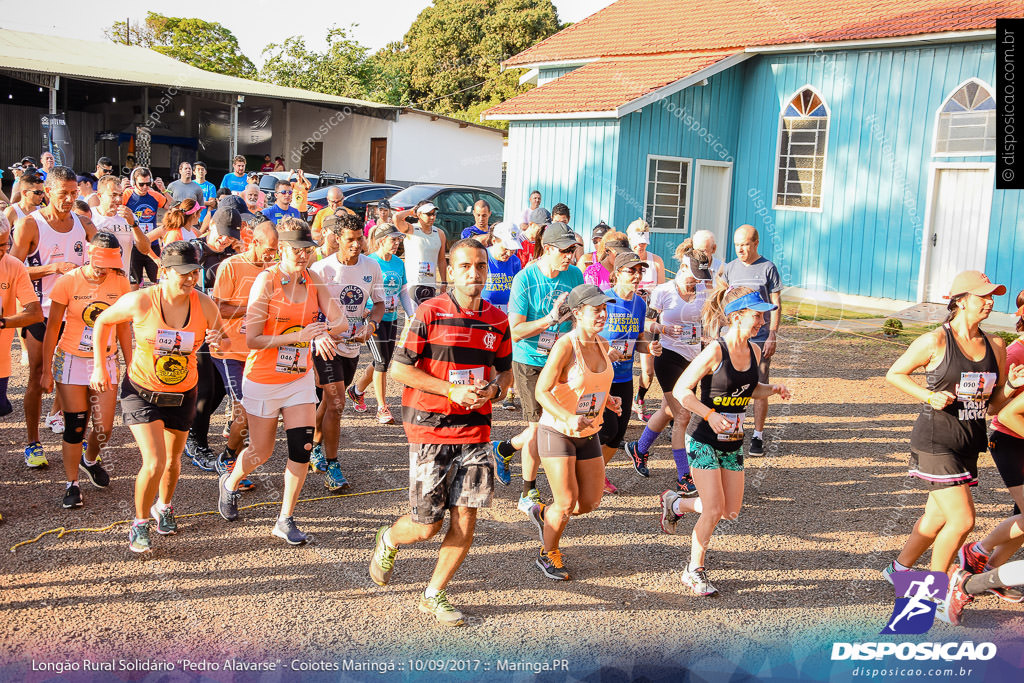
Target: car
point(357, 196)
point(454, 205)
point(268, 181)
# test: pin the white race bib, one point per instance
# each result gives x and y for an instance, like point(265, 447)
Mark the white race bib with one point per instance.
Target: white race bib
point(426, 269)
point(355, 325)
point(624, 346)
point(547, 340)
point(690, 334)
point(390, 303)
point(291, 359)
point(85, 343)
point(735, 429)
point(466, 376)
point(975, 386)
point(590, 404)
point(174, 342)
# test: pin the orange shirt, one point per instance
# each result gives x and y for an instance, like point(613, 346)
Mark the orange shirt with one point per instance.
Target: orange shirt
point(235, 278)
point(299, 196)
point(15, 288)
point(165, 357)
point(283, 364)
point(85, 301)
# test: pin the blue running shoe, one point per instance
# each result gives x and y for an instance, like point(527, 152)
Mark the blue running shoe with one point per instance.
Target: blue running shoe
point(501, 465)
point(34, 457)
point(317, 461)
point(335, 480)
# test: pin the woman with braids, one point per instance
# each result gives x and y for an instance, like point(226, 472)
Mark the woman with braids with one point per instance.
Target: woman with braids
point(727, 374)
point(966, 379)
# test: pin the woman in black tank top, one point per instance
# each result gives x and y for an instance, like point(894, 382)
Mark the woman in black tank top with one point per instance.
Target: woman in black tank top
point(966, 379)
point(728, 375)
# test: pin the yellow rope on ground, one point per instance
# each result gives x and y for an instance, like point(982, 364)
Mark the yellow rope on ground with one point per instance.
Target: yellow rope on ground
point(60, 531)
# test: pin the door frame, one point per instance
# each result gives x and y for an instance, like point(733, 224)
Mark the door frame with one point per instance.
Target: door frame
point(372, 141)
point(720, 239)
point(929, 217)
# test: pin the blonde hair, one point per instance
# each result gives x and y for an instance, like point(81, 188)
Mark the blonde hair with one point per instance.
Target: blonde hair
point(639, 225)
point(713, 315)
point(685, 251)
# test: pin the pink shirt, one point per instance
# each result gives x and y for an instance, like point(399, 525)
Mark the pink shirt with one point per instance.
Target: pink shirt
point(1014, 356)
point(597, 275)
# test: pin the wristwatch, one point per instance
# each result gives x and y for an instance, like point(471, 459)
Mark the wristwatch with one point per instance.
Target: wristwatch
point(3, 323)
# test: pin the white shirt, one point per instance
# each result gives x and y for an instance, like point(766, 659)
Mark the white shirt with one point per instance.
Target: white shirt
point(354, 287)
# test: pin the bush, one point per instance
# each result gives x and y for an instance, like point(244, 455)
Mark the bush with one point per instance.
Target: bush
point(892, 327)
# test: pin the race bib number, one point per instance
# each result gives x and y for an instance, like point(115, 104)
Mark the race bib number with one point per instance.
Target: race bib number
point(390, 303)
point(355, 326)
point(624, 346)
point(546, 341)
point(426, 269)
point(85, 343)
point(174, 342)
point(691, 333)
point(735, 430)
point(466, 376)
point(291, 359)
point(975, 386)
point(590, 404)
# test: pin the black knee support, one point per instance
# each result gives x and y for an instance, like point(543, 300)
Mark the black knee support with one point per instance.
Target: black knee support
point(300, 443)
point(74, 426)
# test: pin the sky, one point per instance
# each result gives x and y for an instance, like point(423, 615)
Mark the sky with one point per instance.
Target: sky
point(259, 23)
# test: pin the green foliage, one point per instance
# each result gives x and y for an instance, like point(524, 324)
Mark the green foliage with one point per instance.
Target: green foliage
point(343, 69)
point(892, 327)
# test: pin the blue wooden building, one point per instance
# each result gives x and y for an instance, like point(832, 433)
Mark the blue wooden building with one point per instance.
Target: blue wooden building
point(859, 137)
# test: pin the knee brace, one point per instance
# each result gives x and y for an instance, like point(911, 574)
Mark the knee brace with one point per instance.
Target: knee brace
point(74, 426)
point(300, 444)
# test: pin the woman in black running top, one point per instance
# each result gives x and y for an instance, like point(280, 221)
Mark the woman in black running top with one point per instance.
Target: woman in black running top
point(728, 377)
point(967, 378)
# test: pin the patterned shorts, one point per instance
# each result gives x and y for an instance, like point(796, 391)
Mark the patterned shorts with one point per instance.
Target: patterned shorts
point(442, 476)
point(705, 457)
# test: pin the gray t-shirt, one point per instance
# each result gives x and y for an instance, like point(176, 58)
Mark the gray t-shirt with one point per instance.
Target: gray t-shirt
point(182, 191)
point(761, 275)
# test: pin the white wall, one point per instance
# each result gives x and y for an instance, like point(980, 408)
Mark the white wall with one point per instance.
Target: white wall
point(345, 136)
point(425, 151)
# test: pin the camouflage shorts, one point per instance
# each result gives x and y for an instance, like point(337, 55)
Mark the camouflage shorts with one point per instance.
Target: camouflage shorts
point(442, 476)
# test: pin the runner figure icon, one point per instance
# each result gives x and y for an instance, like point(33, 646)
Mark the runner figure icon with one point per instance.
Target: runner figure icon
point(918, 595)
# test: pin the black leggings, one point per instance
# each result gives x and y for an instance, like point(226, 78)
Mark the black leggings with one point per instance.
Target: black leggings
point(210, 393)
point(613, 427)
point(668, 368)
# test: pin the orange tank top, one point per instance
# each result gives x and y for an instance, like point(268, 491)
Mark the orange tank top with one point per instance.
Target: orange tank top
point(165, 357)
point(584, 392)
point(282, 364)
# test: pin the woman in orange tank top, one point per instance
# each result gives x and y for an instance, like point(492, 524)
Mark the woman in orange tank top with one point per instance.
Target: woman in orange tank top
point(573, 390)
point(171, 321)
point(80, 296)
point(179, 223)
point(281, 330)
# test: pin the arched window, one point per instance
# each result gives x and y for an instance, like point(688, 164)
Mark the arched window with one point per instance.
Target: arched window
point(967, 122)
point(800, 163)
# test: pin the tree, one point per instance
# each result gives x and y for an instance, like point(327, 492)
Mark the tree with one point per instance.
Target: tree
point(343, 70)
point(207, 45)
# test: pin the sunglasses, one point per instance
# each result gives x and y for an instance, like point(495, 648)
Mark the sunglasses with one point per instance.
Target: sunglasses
point(568, 250)
point(635, 270)
point(302, 250)
point(35, 192)
point(284, 191)
point(143, 184)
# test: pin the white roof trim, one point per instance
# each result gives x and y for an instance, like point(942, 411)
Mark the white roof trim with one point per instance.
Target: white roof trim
point(530, 76)
point(569, 116)
point(921, 39)
point(683, 83)
point(553, 64)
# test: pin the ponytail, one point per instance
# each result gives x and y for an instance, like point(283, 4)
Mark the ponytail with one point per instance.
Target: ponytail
point(713, 316)
point(953, 308)
point(684, 250)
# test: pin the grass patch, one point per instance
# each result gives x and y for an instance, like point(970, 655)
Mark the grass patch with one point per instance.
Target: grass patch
point(808, 310)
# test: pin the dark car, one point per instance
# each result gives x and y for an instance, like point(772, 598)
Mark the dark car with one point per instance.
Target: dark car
point(357, 196)
point(454, 205)
point(317, 181)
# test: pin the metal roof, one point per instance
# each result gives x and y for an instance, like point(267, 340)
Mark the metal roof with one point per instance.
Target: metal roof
point(38, 53)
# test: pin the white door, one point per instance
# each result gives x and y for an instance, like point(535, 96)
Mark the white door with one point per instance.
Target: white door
point(956, 233)
point(711, 200)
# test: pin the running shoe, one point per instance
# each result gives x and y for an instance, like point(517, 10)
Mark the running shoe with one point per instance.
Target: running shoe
point(34, 457)
point(384, 416)
point(550, 564)
point(756, 446)
point(165, 522)
point(971, 559)
point(686, 486)
point(286, 529)
point(639, 459)
point(335, 480)
point(501, 465)
point(537, 517)
point(201, 456)
point(441, 608)
point(669, 518)
point(317, 461)
point(55, 423)
point(638, 409)
point(227, 501)
point(951, 610)
point(95, 473)
point(1007, 594)
point(226, 463)
point(358, 400)
point(382, 563)
point(72, 497)
point(510, 402)
point(528, 500)
point(889, 570)
point(609, 487)
point(138, 537)
point(697, 580)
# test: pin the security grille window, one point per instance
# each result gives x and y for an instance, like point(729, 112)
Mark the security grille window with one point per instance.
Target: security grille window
point(803, 138)
point(967, 122)
point(668, 181)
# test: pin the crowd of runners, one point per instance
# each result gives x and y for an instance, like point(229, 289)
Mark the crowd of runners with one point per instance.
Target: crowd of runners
point(212, 297)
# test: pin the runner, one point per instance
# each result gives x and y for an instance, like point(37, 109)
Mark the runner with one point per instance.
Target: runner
point(446, 409)
point(158, 394)
point(599, 231)
point(280, 326)
point(967, 378)
point(144, 202)
point(355, 282)
point(425, 250)
point(639, 233)
point(527, 216)
point(15, 289)
point(51, 241)
point(502, 266)
point(481, 228)
point(82, 295)
point(178, 224)
point(537, 318)
point(388, 239)
point(300, 192)
point(110, 215)
point(335, 206)
point(626, 315)
point(184, 188)
point(236, 180)
point(728, 377)
point(573, 390)
point(31, 189)
point(282, 203)
point(383, 215)
point(613, 243)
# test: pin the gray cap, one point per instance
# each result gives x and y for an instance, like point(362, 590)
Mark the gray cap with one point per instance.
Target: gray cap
point(227, 222)
point(559, 235)
point(540, 216)
point(587, 295)
point(628, 259)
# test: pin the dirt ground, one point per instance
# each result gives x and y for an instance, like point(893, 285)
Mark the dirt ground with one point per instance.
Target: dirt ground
point(824, 511)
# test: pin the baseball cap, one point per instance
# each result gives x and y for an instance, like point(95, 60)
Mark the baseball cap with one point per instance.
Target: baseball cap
point(28, 161)
point(227, 222)
point(183, 263)
point(700, 265)
point(558, 235)
point(386, 230)
point(628, 259)
point(384, 204)
point(599, 231)
point(753, 301)
point(587, 295)
point(541, 216)
point(297, 238)
point(974, 282)
point(233, 202)
point(331, 223)
point(509, 235)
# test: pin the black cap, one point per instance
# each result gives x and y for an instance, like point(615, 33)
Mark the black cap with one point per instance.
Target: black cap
point(618, 246)
point(558, 235)
point(700, 265)
point(227, 222)
point(384, 204)
point(628, 259)
point(540, 216)
point(28, 161)
point(298, 238)
point(599, 231)
point(587, 295)
point(233, 202)
point(183, 263)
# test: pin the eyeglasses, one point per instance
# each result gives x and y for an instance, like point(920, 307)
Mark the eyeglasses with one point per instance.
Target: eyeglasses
point(106, 170)
point(635, 270)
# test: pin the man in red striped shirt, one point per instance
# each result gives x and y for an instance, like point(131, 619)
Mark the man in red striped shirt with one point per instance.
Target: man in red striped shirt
point(455, 358)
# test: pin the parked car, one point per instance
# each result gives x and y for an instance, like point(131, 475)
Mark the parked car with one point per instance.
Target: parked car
point(454, 205)
point(357, 196)
point(317, 181)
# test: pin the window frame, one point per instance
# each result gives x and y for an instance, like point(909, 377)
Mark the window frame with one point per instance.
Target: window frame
point(938, 116)
point(684, 227)
point(778, 151)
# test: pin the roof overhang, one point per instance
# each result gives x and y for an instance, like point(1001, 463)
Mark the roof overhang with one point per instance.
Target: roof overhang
point(921, 39)
point(682, 84)
point(556, 64)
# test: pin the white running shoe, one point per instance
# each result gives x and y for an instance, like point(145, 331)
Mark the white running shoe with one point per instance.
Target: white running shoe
point(55, 423)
